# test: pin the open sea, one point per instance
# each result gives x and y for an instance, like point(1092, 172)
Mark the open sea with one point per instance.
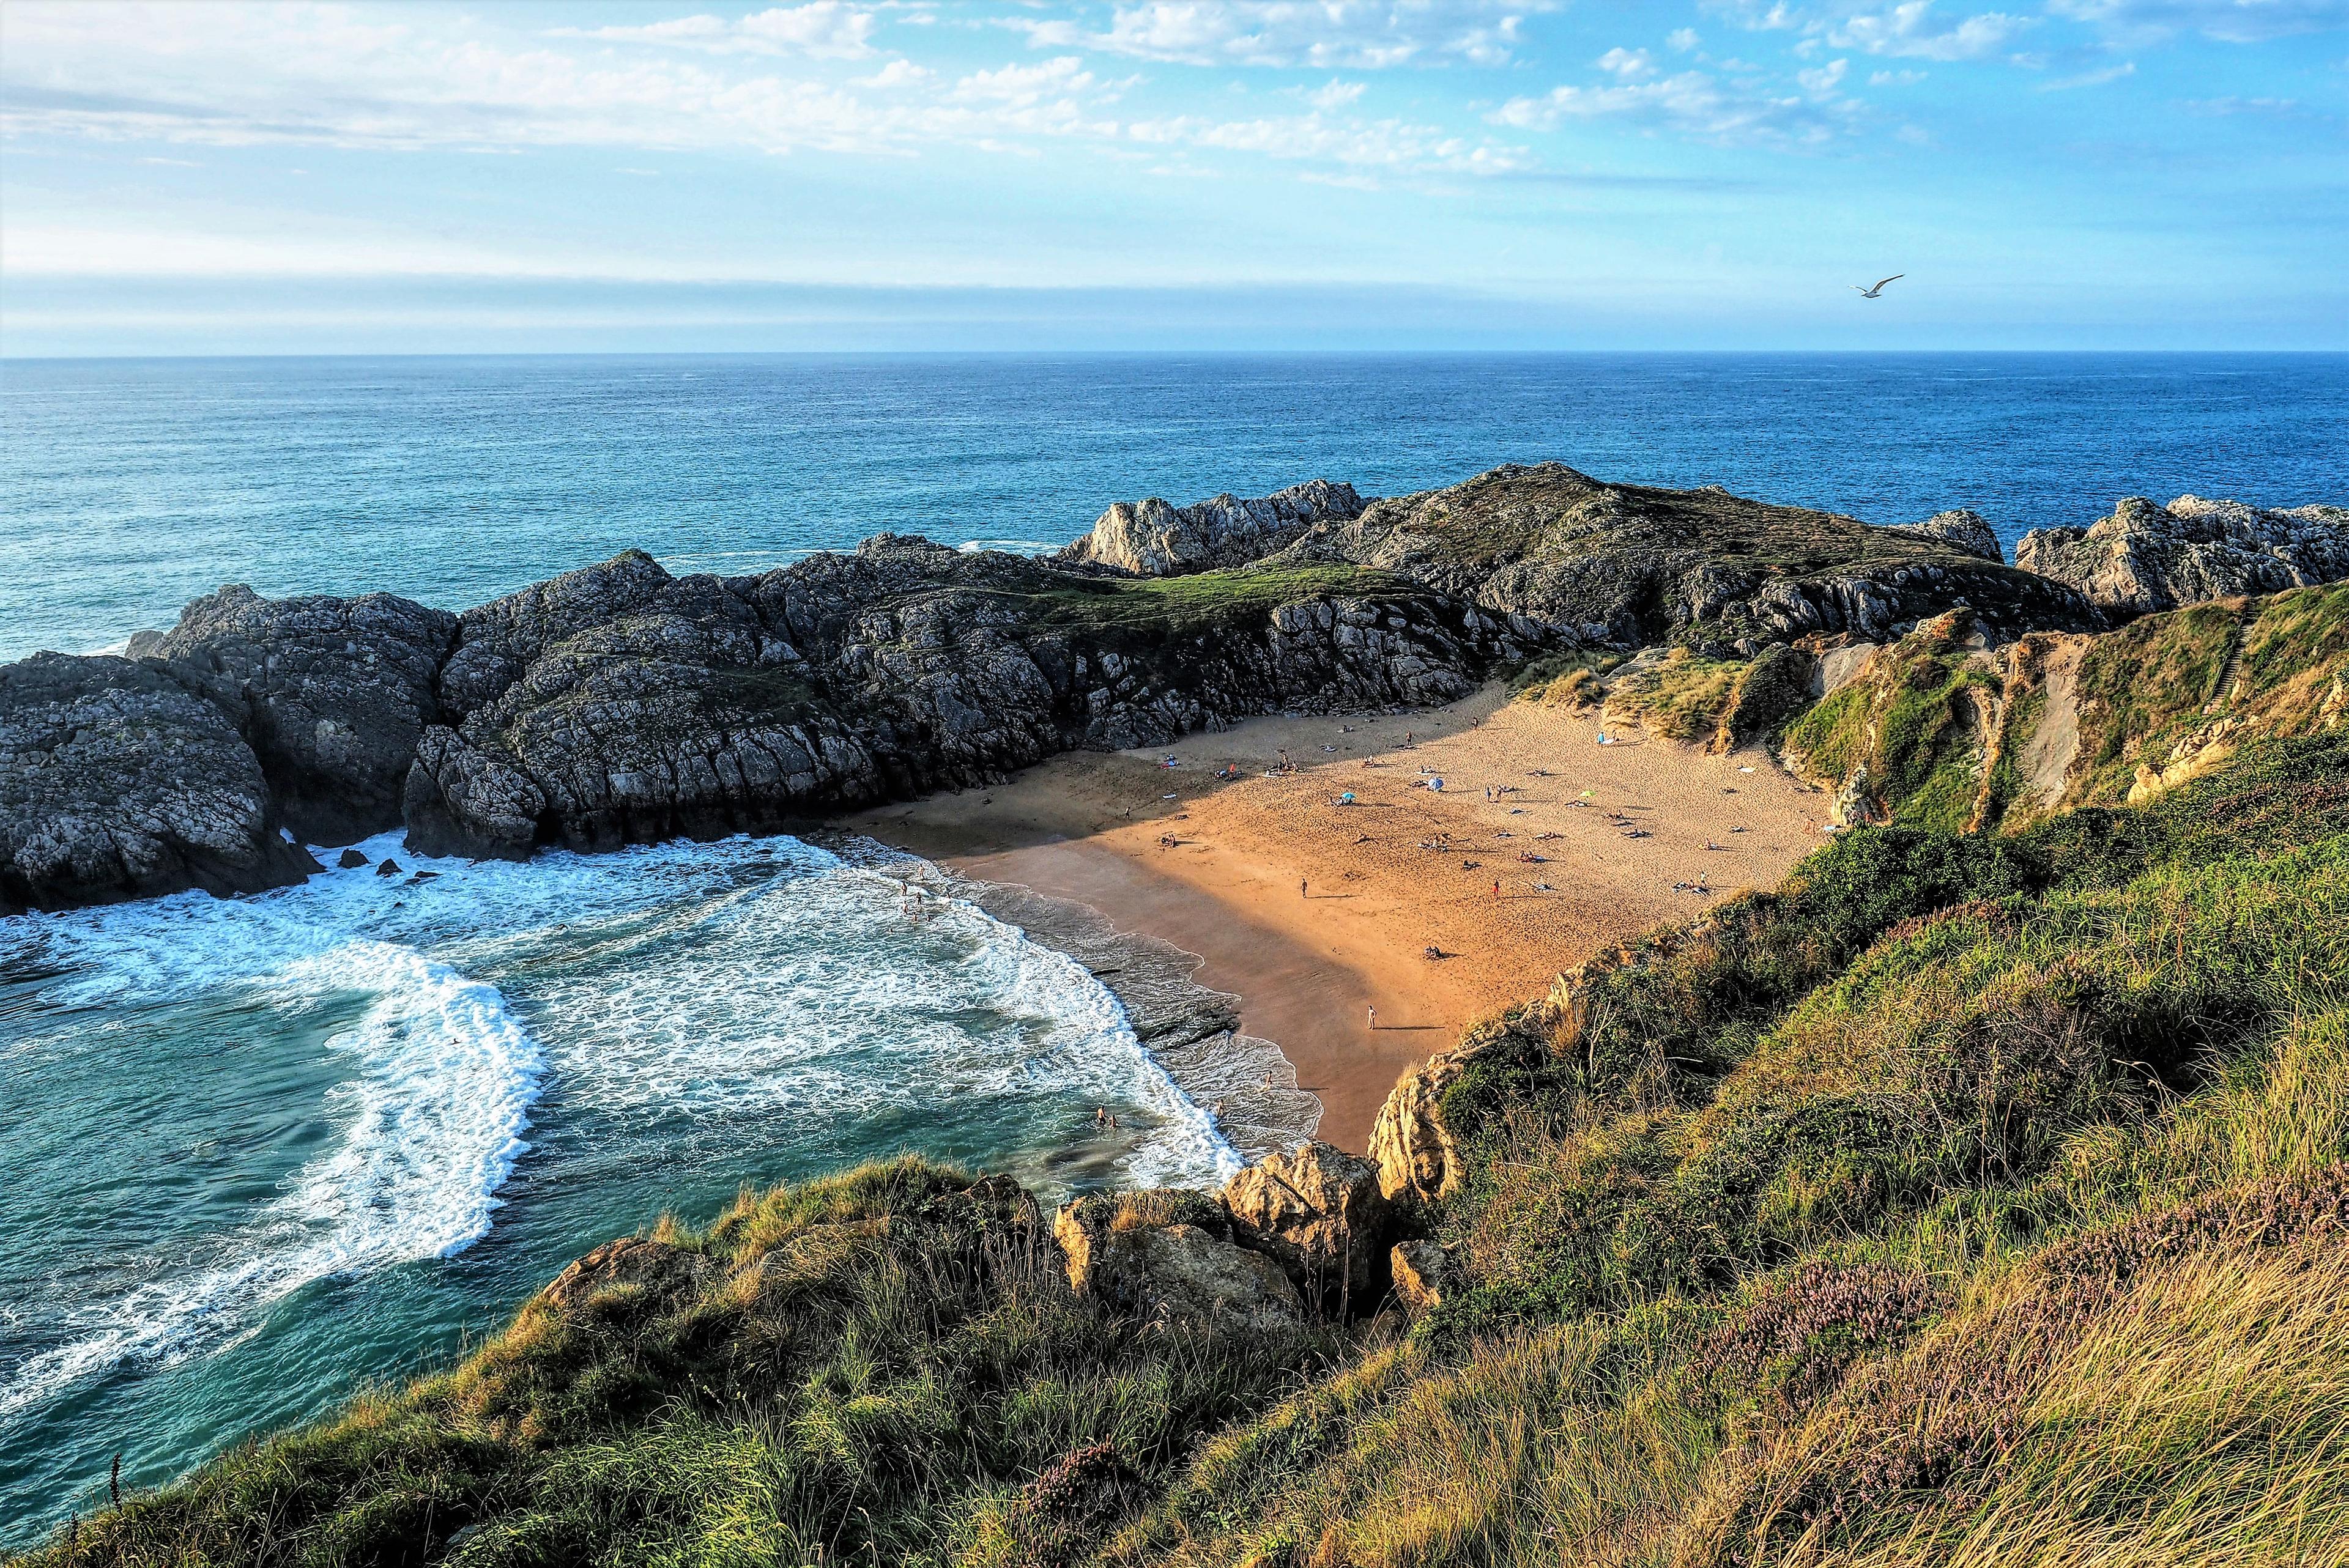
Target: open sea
point(258, 1153)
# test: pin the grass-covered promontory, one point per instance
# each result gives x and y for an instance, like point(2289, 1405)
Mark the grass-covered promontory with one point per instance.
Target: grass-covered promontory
point(1974, 1199)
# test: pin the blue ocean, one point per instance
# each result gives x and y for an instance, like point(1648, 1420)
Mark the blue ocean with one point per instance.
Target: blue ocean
point(258, 1153)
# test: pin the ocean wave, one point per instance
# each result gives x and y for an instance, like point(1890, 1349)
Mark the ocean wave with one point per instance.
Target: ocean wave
point(436, 1109)
point(738, 994)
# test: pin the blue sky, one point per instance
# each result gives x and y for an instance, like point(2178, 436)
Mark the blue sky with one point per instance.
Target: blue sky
point(295, 178)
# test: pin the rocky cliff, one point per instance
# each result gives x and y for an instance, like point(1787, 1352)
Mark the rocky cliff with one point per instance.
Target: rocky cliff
point(1152, 539)
point(1626, 566)
point(620, 704)
point(2145, 558)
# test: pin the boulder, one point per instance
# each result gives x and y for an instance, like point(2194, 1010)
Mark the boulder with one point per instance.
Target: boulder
point(662, 1271)
point(1966, 531)
point(2144, 558)
point(1421, 1272)
point(118, 778)
point(334, 693)
point(1318, 1212)
point(1152, 539)
point(350, 859)
point(1167, 1256)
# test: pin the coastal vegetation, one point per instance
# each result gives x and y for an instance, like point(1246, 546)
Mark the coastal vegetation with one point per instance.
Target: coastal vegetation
point(1979, 1194)
point(1970, 1198)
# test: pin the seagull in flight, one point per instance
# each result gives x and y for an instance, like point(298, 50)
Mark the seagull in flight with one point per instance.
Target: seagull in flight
point(1872, 292)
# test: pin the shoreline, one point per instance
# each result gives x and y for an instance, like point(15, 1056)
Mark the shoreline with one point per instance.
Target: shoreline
point(1589, 845)
point(1242, 1084)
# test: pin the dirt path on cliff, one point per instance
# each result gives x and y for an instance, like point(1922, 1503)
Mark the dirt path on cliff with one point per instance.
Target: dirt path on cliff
point(1214, 866)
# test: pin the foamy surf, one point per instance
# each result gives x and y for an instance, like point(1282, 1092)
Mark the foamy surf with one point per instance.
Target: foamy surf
point(711, 1001)
point(436, 1113)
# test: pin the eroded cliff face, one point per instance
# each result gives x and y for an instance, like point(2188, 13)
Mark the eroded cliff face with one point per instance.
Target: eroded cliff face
point(2145, 558)
point(1625, 566)
point(619, 704)
point(123, 778)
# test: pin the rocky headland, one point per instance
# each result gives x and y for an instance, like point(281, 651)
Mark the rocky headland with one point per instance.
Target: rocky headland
point(621, 704)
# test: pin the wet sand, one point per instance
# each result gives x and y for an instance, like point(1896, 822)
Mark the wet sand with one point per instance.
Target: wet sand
point(1214, 867)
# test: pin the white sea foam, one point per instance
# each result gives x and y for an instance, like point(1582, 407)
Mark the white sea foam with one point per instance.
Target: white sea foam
point(681, 984)
point(436, 1107)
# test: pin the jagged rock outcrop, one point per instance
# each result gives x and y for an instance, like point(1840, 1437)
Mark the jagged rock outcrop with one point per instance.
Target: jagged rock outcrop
point(2145, 558)
point(1167, 1255)
point(1627, 566)
point(1421, 1272)
point(335, 692)
point(1150, 538)
point(619, 704)
point(120, 779)
point(1963, 530)
point(1318, 1212)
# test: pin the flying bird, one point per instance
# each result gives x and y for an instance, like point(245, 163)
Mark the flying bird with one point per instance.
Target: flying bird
point(1872, 292)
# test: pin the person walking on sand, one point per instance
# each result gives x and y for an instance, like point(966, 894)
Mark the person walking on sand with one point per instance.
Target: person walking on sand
point(1496, 892)
point(1300, 887)
point(1374, 1017)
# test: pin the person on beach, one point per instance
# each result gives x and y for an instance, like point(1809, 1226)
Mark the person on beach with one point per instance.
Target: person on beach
point(1300, 887)
point(1374, 1017)
point(1496, 892)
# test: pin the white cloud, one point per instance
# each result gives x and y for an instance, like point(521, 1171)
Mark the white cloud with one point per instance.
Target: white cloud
point(1630, 65)
point(2229, 21)
point(1912, 29)
point(1359, 35)
point(2091, 78)
point(823, 29)
point(1692, 102)
point(1683, 39)
point(898, 73)
point(1894, 78)
point(1336, 95)
point(1391, 145)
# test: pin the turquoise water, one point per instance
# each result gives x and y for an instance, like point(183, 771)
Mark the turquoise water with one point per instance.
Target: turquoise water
point(126, 488)
point(256, 1154)
point(259, 1152)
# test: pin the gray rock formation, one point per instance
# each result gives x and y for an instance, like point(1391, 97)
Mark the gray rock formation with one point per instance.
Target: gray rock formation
point(2145, 558)
point(335, 694)
point(618, 704)
point(1626, 566)
point(1966, 531)
point(1167, 1255)
point(122, 780)
point(1318, 1213)
point(1152, 539)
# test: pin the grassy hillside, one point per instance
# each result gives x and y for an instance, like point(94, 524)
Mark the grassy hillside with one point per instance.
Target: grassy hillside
point(1967, 1199)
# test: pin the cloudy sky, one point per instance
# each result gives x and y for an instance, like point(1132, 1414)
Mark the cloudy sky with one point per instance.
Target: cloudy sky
point(1303, 173)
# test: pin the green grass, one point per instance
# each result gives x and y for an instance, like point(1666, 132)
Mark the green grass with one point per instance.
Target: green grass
point(1203, 601)
point(1966, 1199)
point(1913, 721)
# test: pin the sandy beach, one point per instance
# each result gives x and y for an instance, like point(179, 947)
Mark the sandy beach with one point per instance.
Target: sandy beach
point(1315, 912)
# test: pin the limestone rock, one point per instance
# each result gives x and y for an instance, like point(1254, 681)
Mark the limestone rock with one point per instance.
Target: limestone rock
point(1417, 1156)
point(1421, 1272)
point(2145, 558)
point(1629, 566)
point(1318, 1212)
point(336, 692)
point(1167, 1256)
point(118, 780)
point(1152, 539)
point(1966, 531)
